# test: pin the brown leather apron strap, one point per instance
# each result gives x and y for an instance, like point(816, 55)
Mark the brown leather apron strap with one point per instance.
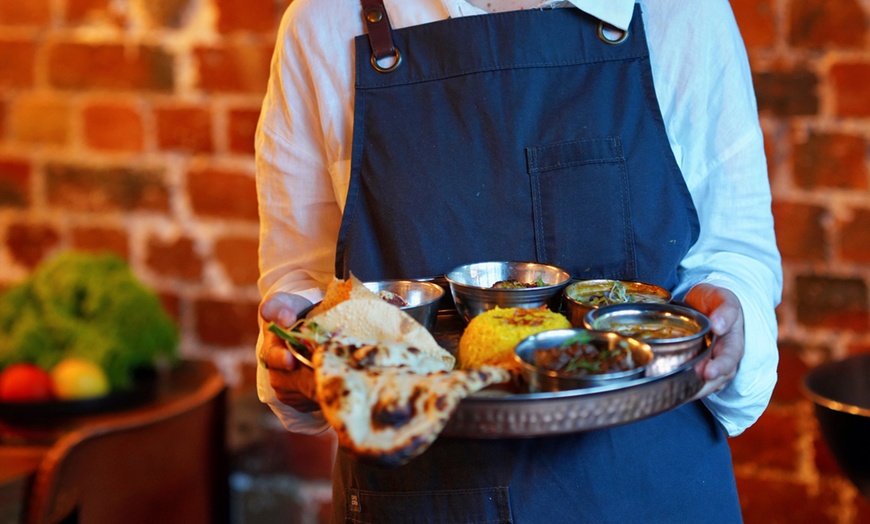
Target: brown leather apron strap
point(380, 34)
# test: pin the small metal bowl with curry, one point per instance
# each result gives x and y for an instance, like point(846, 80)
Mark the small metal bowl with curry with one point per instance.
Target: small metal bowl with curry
point(675, 333)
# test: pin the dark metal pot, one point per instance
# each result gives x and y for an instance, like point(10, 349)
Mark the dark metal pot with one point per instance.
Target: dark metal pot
point(840, 392)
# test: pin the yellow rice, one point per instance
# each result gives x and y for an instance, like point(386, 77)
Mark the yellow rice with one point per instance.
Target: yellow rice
point(490, 338)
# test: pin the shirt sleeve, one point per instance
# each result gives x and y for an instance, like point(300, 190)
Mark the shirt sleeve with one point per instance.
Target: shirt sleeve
point(704, 87)
point(299, 211)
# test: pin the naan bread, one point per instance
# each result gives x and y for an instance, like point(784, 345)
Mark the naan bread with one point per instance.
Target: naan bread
point(388, 403)
point(378, 321)
point(363, 354)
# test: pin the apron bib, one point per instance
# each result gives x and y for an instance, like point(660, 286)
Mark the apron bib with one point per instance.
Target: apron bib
point(478, 148)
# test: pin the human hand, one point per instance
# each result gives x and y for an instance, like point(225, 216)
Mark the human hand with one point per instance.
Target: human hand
point(293, 383)
point(726, 321)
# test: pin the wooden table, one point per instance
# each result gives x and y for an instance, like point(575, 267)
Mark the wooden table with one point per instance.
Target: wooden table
point(27, 445)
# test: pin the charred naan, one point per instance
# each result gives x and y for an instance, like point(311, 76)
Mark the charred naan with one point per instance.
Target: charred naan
point(388, 402)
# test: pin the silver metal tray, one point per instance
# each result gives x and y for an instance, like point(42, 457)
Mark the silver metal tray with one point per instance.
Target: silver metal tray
point(496, 413)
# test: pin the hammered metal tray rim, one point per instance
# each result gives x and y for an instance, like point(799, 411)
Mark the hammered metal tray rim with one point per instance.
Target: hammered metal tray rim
point(590, 391)
point(540, 414)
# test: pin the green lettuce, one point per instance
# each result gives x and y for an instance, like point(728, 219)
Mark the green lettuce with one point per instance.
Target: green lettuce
point(87, 305)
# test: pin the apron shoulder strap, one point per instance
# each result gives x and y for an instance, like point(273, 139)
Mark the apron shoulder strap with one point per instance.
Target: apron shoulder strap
point(378, 28)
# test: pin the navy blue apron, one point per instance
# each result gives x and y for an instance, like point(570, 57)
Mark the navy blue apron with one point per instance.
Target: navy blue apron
point(526, 136)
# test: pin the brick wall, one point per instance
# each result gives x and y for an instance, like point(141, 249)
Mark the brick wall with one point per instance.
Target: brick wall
point(811, 64)
point(127, 125)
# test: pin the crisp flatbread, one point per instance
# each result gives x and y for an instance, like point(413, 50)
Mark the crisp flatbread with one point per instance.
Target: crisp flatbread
point(338, 291)
point(379, 321)
point(386, 406)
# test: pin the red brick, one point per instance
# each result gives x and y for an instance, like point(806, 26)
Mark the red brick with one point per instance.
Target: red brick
point(174, 258)
point(14, 183)
point(226, 323)
point(823, 459)
point(786, 93)
point(172, 305)
point(40, 119)
point(223, 194)
point(169, 13)
point(854, 241)
point(800, 234)
point(4, 118)
point(830, 302)
point(101, 239)
point(849, 81)
point(770, 442)
point(756, 21)
point(791, 372)
point(77, 11)
point(29, 244)
point(29, 13)
point(248, 379)
point(184, 128)
point(822, 23)
point(238, 257)
point(113, 127)
point(83, 188)
point(858, 347)
point(831, 160)
point(241, 67)
point(241, 128)
point(782, 502)
point(771, 152)
point(17, 64)
point(244, 15)
point(80, 66)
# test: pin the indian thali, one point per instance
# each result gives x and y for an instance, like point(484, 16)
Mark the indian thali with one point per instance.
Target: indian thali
point(500, 414)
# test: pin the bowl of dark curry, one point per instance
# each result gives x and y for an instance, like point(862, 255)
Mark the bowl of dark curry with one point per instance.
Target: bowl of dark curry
point(566, 359)
point(482, 286)
point(417, 298)
point(675, 333)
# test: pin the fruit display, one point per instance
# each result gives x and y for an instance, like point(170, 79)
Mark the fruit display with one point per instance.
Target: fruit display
point(81, 325)
point(71, 379)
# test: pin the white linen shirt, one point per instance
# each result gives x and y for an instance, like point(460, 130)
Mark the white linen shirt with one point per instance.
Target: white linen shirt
point(704, 88)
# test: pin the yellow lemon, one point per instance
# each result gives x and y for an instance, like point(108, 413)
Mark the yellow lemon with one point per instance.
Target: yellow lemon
point(76, 378)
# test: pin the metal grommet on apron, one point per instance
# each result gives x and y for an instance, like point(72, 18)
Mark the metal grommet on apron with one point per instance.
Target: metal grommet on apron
point(380, 36)
point(397, 61)
point(603, 33)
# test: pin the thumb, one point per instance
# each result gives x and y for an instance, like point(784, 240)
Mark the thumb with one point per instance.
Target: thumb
point(282, 308)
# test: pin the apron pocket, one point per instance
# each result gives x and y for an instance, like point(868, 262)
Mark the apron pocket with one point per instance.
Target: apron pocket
point(467, 506)
point(581, 207)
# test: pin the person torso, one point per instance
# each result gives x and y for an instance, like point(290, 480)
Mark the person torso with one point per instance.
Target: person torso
point(513, 136)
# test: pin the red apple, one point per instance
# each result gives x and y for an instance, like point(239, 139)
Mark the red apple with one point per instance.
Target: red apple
point(23, 382)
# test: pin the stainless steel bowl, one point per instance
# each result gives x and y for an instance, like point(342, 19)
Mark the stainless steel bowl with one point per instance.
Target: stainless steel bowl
point(582, 296)
point(422, 298)
point(471, 286)
point(446, 302)
point(840, 392)
point(542, 379)
point(675, 333)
